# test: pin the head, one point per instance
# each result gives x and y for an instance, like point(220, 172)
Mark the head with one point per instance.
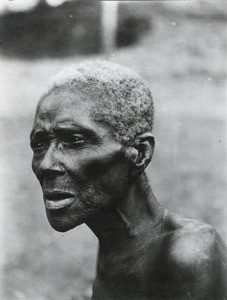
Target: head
point(91, 140)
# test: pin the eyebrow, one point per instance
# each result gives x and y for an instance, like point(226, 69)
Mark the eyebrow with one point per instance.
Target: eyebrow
point(38, 132)
point(63, 129)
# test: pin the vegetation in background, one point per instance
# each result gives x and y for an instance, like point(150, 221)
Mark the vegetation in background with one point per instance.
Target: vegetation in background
point(72, 28)
point(132, 24)
point(183, 59)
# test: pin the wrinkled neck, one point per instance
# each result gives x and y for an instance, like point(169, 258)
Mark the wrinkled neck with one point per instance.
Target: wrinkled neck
point(128, 218)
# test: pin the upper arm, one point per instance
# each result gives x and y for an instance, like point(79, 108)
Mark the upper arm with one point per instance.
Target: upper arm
point(197, 264)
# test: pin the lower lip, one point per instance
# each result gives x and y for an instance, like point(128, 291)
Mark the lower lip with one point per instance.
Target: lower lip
point(58, 204)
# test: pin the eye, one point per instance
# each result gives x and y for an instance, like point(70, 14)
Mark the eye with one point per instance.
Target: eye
point(38, 145)
point(73, 140)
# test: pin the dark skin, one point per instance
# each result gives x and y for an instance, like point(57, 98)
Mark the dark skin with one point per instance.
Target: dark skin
point(146, 252)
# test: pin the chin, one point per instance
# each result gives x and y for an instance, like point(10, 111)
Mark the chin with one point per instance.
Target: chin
point(61, 228)
point(62, 224)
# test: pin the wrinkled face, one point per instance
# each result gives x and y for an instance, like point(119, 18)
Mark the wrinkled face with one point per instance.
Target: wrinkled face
point(79, 165)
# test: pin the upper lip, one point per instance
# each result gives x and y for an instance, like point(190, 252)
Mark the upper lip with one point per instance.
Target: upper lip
point(57, 195)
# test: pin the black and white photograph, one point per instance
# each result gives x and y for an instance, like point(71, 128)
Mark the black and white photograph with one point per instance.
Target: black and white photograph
point(113, 123)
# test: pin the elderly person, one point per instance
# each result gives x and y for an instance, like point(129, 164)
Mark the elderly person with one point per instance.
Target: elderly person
point(92, 141)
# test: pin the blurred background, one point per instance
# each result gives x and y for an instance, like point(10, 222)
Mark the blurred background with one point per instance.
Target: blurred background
point(179, 47)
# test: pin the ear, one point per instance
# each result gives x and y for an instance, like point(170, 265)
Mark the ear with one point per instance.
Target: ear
point(142, 151)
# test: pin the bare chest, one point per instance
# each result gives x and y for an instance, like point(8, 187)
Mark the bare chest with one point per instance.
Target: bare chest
point(130, 276)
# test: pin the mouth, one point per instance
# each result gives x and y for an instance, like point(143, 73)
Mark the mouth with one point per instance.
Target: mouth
point(58, 200)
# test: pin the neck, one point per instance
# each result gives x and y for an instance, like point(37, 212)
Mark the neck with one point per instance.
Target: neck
point(128, 219)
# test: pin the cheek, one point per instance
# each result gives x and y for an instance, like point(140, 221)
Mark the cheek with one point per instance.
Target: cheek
point(35, 166)
point(102, 164)
point(104, 173)
point(92, 163)
point(108, 173)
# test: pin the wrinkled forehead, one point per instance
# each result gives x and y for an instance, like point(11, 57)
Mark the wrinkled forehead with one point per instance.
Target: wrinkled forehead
point(63, 98)
point(63, 109)
point(62, 102)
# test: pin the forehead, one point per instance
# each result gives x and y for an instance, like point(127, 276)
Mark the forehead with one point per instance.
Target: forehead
point(64, 105)
point(68, 110)
point(62, 102)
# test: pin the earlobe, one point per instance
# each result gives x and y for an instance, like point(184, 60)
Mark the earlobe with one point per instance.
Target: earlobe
point(144, 147)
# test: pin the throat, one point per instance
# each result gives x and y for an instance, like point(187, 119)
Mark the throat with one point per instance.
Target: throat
point(128, 220)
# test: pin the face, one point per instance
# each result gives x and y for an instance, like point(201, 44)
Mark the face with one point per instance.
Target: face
point(79, 165)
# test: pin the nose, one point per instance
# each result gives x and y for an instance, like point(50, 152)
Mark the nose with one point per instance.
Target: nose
point(51, 162)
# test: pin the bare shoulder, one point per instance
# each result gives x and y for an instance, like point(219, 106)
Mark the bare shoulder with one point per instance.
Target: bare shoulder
point(194, 241)
point(197, 258)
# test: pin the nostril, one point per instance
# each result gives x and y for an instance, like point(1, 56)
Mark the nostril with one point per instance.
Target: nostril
point(51, 162)
point(51, 172)
point(48, 175)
